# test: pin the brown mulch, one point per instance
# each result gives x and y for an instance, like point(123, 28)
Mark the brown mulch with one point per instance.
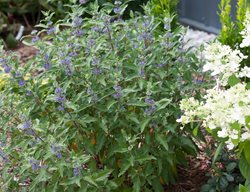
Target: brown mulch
point(192, 177)
point(25, 53)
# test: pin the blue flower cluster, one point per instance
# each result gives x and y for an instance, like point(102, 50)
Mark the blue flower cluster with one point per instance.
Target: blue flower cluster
point(76, 171)
point(47, 63)
point(56, 150)
point(60, 98)
point(67, 64)
point(151, 106)
point(27, 128)
point(118, 93)
point(117, 10)
point(4, 65)
point(77, 23)
point(36, 165)
point(4, 156)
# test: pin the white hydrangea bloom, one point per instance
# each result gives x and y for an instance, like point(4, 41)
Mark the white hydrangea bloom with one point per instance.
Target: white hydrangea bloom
point(245, 136)
point(230, 144)
point(246, 31)
point(244, 72)
point(221, 109)
point(189, 106)
point(224, 110)
point(222, 61)
point(222, 133)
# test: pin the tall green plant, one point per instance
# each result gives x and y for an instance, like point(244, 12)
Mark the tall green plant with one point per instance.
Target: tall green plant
point(227, 26)
point(230, 31)
point(166, 8)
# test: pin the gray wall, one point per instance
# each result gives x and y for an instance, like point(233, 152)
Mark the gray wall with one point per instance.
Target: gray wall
point(202, 14)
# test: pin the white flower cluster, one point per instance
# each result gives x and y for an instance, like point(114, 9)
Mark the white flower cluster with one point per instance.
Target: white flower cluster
point(244, 72)
point(246, 31)
point(222, 61)
point(225, 110)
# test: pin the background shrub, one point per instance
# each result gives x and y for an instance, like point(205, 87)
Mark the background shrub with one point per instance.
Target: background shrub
point(230, 31)
point(96, 109)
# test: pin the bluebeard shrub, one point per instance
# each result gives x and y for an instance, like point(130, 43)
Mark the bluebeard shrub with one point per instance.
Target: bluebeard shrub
point(100, 108)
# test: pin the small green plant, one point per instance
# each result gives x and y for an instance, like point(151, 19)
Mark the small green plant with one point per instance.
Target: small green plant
point(224, 174)
point(96, 109)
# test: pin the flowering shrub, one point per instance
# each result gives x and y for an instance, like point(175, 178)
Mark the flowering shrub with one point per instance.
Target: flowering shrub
point(225, 109)
point(96, 108)
point(224, 62)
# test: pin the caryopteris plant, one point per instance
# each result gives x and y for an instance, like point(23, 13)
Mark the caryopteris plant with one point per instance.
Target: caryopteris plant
point(96, 108)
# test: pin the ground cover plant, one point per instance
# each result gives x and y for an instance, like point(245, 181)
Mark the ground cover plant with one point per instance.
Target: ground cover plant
point(96, 108)
point(224, 174)
point(225, 109)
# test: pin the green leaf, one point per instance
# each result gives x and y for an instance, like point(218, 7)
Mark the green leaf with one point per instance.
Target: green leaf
point(137, 184)
point(233, 80)
point(248, 86)
point(157, 185)
point(144, 124)
point(103, 175)
point(133, 118)
point(206, 188)
point(247, 184)
point(223, 182)
point(244, 189)
point(188, 145)
point(217, 153)
point(111, 103)
point(163, 103)
point(138, 104)
point(247, 122)
point(125, 166)
point(231, 166)
point(246, 146)
point(145, 158)
point(230, 178)
point(90, 180)
point(244, 168)
point(195, 131)
point(160, 138)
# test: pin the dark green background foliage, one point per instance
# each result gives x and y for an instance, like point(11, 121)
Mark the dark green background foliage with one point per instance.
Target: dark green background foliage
point(96, 109)
point(13, 13)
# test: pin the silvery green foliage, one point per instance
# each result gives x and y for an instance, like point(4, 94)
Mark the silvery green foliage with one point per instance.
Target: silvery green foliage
point(96, 108)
